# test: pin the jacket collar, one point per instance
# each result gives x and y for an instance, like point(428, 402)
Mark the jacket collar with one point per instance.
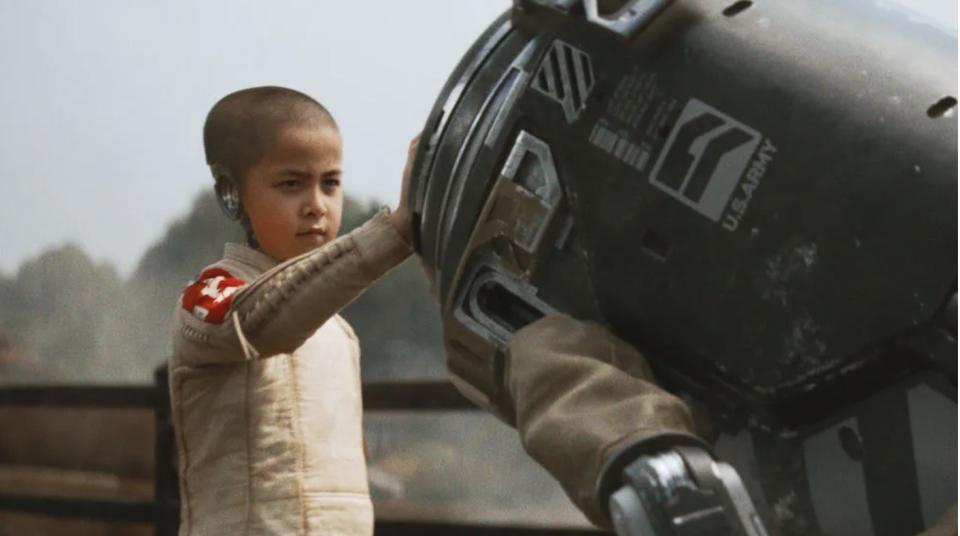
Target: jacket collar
point(243, 254)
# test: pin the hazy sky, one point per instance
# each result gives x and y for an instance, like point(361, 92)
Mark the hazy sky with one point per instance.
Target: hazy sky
point(103, 101)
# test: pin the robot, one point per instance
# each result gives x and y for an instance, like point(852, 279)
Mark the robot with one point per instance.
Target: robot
point(762, 197)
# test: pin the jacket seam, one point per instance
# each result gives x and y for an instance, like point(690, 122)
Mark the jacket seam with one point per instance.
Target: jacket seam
point(247, 431)
point(345, 495)
point(195, 334)
point(297, 429)
point(281, 290)
point(341, 494)
point(185, 462)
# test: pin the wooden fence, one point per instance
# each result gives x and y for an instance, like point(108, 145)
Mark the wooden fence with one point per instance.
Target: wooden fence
point(163, 511)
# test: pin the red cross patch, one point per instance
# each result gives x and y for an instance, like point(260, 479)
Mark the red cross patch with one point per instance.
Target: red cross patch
point(209, 297)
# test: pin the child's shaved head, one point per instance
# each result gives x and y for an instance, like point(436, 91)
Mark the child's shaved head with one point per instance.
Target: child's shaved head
point(242, 125)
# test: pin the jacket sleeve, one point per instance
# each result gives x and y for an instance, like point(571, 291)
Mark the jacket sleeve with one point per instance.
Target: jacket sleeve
point(581, 395)
point(278, 311)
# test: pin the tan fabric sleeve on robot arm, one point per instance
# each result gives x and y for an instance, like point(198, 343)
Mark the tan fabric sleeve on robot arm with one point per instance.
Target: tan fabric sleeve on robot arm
point(278, 311)
point(580, 394)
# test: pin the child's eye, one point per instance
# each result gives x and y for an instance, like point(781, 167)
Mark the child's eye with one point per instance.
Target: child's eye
point(288, 184)
point(331, 183)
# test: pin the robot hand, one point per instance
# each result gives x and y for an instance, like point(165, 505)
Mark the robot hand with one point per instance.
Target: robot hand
point(683, 492)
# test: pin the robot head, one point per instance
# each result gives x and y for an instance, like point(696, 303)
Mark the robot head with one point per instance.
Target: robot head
point(762, 204)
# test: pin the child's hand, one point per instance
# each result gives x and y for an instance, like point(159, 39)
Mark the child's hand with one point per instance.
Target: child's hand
point(401, 217)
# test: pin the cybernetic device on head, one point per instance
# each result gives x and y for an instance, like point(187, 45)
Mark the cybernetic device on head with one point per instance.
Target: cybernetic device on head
point(761, 196)
point(227, 191)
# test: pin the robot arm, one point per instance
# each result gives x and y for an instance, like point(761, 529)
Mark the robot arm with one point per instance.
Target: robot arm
point(681, 171)
point(581, 394)
point(683, 492)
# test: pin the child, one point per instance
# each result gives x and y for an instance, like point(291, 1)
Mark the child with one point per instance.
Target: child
point(264, 375)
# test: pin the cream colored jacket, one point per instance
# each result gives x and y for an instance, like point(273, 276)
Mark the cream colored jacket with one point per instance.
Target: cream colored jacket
point(266, 399)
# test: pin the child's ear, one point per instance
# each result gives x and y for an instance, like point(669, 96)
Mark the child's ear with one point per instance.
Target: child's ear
point(228, 191)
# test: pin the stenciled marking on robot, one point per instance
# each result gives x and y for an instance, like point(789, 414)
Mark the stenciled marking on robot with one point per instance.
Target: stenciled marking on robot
point(703, 161)
point(635, 114)
point(566, 76)
point(635, 155)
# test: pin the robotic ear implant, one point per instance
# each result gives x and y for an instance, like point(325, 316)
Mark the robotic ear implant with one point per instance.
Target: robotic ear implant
point(228, 192)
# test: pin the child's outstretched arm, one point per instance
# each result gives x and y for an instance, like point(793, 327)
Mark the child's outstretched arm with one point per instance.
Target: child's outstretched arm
point(278, 311)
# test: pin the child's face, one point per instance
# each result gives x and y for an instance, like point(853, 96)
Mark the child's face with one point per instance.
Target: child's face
point(293, 195)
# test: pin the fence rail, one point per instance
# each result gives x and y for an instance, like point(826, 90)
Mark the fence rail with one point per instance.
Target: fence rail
point(94, 396)
point(163, 511)
point(119, 511)
point(406, 396)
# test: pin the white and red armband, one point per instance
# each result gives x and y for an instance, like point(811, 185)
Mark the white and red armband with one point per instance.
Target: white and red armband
point(209, 297)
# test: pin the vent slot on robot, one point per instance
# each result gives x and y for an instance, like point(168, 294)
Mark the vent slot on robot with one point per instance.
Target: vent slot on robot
point(943, 107)
point(505, 308)
point(496, 304)
point(611, 8)
point(736, 8)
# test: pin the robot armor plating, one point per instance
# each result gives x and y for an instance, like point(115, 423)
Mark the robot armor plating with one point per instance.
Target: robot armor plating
point(759, 196)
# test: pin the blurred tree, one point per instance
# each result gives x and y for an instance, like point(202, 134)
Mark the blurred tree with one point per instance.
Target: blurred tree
point(396, 320)
point(85, 324)
point(55, 308)
point(190, 244)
